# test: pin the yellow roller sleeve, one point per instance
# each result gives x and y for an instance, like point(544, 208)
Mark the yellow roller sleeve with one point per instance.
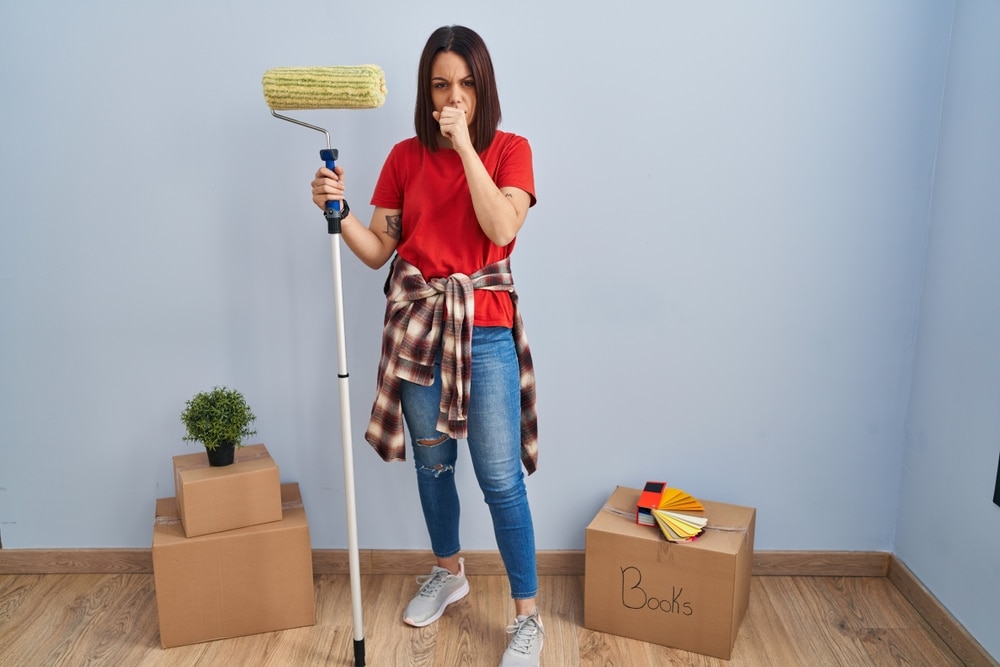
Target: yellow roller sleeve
point(341, 87)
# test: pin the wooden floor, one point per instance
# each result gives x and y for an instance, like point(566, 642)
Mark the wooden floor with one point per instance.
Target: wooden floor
point(110, 619)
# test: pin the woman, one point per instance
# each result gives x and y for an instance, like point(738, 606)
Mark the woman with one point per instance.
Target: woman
point(455, 364)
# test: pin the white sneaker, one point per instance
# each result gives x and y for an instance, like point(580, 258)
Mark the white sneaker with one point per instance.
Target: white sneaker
point(526, 644)
point(438, 590)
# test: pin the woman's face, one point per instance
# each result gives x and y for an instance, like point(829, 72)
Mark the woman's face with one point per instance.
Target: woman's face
point(452, 84)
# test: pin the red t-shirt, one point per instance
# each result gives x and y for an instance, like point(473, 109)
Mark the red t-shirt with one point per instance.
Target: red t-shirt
point(441, 235)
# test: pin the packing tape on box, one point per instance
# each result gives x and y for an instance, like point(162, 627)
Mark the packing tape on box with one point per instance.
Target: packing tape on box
point(240, 458)
point(618, 512)
point(167, 520)
point(631, 517)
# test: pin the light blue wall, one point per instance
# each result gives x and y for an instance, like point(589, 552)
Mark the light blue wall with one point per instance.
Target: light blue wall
point(721, 280)
point(949, 530)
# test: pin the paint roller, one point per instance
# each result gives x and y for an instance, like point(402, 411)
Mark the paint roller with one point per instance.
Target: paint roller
point(345, 87)
point(342, 87)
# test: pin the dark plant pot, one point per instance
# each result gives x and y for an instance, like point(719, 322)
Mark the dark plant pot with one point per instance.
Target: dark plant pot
point(222, 455)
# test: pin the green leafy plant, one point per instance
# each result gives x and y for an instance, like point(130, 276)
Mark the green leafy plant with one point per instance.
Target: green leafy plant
point(217, 418)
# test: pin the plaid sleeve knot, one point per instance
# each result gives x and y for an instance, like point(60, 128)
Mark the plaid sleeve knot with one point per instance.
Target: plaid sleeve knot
point(423, 315)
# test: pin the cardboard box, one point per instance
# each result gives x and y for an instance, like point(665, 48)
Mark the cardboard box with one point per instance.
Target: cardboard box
point(691, 596)
point(240, 582)
point(212, 499)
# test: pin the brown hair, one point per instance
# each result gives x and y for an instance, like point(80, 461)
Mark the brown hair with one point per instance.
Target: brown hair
point(468, 44)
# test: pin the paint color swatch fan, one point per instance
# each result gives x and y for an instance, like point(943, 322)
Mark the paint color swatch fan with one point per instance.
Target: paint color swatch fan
point(680, 516)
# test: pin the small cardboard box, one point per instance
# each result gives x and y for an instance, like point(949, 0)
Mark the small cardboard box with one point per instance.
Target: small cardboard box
point(691, 596)
point(239, 582)
point(212, 499)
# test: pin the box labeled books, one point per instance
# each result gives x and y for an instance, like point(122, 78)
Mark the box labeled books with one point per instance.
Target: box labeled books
point(686, 595)
point(238, 582)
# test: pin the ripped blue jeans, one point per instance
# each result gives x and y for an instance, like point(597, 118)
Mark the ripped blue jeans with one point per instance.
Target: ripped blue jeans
point(494, 441)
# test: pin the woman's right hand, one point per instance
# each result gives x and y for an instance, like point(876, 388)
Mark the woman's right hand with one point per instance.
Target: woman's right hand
point(328, 186)
point(374, 244)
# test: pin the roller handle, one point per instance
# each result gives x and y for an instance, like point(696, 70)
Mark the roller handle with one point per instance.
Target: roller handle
point(332, 210)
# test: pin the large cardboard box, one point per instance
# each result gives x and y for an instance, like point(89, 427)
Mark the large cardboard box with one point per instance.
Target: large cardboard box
point(212, 499)
point(691, 596)
point(239, 582)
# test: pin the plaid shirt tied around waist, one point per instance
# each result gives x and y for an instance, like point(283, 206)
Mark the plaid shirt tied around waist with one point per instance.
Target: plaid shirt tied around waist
point(415, 325)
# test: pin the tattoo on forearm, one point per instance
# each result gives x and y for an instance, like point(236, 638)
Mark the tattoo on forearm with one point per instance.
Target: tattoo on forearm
point(394, 226)
point(508, 195)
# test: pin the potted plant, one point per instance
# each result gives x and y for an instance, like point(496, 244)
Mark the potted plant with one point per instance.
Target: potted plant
point(219, 419)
